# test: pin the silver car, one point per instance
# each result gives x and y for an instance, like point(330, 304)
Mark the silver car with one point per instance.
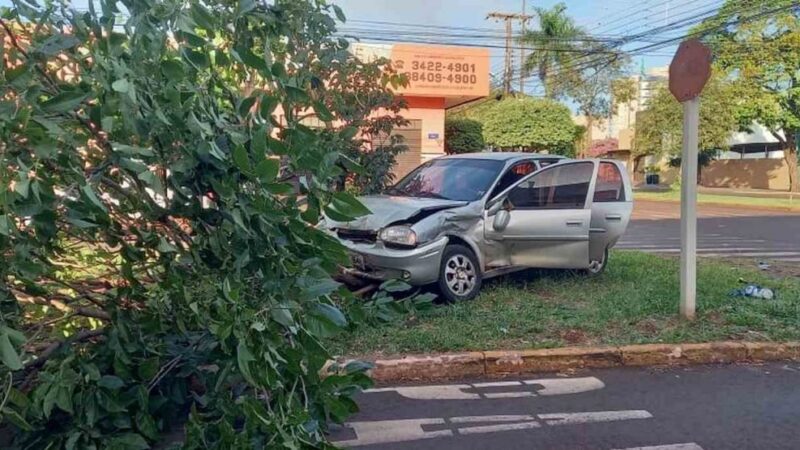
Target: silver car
point(458, 220)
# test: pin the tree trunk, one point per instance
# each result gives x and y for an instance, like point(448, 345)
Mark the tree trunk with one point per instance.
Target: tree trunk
point(790, 156)
point(588, 145)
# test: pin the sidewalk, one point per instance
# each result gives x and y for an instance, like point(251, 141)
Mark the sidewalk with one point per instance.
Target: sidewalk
point(727, 192)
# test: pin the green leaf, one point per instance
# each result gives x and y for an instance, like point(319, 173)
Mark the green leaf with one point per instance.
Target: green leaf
point(279, 69)
point(345, 204)
point(241, 159)
point(64, 101)
point(8, 354)
point(259, 141)
point(249, 58)
point(268, 169)
point(110, 382)
point(172, 69)
point(129, 441)
point(197, 59)
point(89, 193)
point(244, 7)
point(322, 112)
point(243, 358)
point(16, 419)
point(121, 85)
point(246, 105)
point(6, 226)
point(339, 14)
point(57, 43)
point(268, 105)
point(202, 17)
point(165, 247)
point(331, 313)
point(282, 314)
point(152, 180)
point(132, 150)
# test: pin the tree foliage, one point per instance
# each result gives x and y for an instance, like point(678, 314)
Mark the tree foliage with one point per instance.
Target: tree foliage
point(757, 45)
point(463, 136)
point(530, 124)
point(659, 131)
point(157, 266)
point(555, 43)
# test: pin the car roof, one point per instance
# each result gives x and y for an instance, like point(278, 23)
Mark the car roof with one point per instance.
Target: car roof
point(502, 156)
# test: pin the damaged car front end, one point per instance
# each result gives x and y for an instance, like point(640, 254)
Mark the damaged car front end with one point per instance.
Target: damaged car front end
point(436, 206)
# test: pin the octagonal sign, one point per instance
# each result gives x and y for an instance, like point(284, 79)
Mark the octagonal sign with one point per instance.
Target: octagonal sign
point(689, 70)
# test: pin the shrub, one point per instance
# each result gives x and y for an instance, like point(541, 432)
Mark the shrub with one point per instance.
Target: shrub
point(530, 124)
point(463, 136)
point(155, 164)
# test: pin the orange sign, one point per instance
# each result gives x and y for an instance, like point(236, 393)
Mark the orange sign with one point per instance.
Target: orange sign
point(442, 71)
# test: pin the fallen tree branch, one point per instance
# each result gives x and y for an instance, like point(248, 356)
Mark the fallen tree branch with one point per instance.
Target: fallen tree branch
point(55, 346)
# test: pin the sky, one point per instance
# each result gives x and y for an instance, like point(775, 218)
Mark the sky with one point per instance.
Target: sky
point(600, 17)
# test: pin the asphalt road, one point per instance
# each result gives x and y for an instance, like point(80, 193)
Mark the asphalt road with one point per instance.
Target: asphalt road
point(698, 408)
point(723, 231)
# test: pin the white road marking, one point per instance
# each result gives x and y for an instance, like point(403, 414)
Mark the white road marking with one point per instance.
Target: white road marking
point(386, 431)
point(593, 417)
point(443, 392)
point(389, 431)
point(496, 428)
point(497, 384)
point(688, 446)
point(509, 394)
point(562, 386)
point(498, 418)
point(549, 386)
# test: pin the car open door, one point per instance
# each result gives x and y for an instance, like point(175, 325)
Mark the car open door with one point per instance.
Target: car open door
point(611, 208)
point(544, 219)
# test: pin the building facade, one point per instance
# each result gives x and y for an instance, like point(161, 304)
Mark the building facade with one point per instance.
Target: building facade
point(439, 77)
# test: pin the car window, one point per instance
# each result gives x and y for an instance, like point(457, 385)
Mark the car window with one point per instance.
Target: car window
point(609, 187)
point(466, 179)
point(557, 187)
point(515, 173)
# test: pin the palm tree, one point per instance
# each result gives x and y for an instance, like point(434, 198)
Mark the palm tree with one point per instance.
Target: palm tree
point(554, 44)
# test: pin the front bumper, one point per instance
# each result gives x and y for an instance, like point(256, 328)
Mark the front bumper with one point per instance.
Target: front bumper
point(416, 266)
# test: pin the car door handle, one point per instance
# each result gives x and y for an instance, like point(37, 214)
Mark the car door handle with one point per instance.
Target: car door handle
point(615, 217)
point(574, 223)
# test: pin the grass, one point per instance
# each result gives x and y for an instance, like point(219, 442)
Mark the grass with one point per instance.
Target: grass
point(675, 195)
point(635, 301)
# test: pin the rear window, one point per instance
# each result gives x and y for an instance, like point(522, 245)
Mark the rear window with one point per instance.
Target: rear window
point(609, 186)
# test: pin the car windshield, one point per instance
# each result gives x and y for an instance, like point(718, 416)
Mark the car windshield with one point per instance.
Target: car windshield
point(450, 179)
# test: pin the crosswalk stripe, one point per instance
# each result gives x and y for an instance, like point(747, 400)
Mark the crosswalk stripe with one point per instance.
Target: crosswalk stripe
point(687, 446)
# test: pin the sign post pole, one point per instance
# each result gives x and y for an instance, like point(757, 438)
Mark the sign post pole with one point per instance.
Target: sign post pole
point(688, 75)
point(691, 121)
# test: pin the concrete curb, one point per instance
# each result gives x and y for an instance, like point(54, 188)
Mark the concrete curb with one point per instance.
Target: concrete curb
point(495, 364)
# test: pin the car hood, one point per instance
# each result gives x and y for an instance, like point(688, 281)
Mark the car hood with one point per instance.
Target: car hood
point(387, 209)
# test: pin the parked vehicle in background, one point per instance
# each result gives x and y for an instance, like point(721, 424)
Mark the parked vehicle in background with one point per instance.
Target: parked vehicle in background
point(458, 220)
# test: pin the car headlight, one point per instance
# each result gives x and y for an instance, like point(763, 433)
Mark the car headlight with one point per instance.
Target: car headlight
point(401, 235)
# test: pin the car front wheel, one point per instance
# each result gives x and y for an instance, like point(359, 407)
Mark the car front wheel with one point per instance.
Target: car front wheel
point(459, 275)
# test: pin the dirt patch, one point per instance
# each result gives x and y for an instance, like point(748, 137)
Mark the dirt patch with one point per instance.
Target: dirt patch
point(574, 337)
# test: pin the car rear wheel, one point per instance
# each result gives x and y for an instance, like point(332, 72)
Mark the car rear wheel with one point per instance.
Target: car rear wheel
point(597, 267)
point(459, 275)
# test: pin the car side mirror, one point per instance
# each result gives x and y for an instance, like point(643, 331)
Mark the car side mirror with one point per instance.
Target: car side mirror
point(501, 220)
point(495, 206)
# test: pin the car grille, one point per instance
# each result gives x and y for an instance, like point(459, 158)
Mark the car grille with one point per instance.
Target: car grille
point(360, 236)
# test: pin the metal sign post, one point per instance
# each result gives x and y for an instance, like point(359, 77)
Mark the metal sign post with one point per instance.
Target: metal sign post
point(691, 121)
point(688, 74)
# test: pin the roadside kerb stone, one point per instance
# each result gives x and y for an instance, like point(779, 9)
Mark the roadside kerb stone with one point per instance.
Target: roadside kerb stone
point(551, 360)
point(426, 367)
point(494, 364)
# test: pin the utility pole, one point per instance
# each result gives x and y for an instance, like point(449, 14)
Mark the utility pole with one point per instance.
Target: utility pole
point(522, 50)
point(507, 70)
